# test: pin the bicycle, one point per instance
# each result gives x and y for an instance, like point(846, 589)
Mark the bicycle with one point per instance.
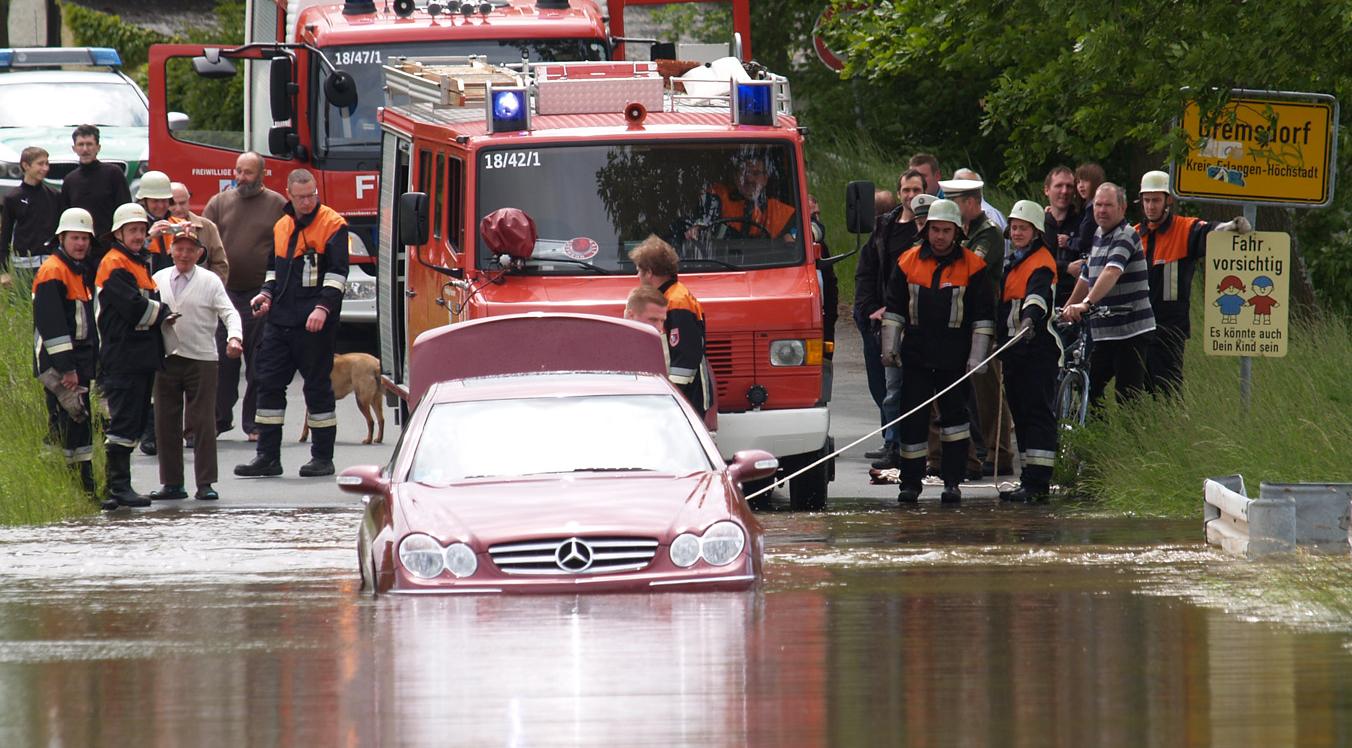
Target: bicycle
point(1072, 386)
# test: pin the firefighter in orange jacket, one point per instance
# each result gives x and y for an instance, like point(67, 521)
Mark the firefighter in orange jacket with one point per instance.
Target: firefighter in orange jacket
point(745, 209)
point(130, 314)
point(688, 369)
point(302, 297)
point(68, 341)
point(937, 326)
point(1030, 366)
point(1172, 246)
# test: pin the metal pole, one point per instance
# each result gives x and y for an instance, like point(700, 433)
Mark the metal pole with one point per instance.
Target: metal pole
point(1246, 362)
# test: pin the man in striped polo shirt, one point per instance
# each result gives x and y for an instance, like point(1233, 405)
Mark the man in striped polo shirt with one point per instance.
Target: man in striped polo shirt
point(1116, 275)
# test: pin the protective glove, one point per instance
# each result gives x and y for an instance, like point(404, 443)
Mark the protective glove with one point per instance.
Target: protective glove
point(981, 343)
point(70, 400)
point(1240, 225)
point(890, 341)
point(1027, 324)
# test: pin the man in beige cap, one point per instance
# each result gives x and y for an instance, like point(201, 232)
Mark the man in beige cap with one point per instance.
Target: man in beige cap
point(213, 258)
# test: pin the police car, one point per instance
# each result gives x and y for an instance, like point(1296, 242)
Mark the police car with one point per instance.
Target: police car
point(46, 92)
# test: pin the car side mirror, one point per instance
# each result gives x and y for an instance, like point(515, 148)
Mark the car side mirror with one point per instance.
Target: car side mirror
point(859, 213)
point(178, 121)
point(752, 464)
point(363, 479)
point(413, 228)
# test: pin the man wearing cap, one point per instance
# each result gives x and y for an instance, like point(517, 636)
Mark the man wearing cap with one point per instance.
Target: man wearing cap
point(995, 216)
point(938, 325)
point(189, 373)
point(302, 297)
point(893, 233)
point(1115, 275)
point(1031, 365)
point(63, 316)
point(130, 317)
point(987, 240)
point(213, 255)
point(1172, 246)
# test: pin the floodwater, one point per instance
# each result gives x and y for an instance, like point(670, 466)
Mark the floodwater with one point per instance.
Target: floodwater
point(984, 625)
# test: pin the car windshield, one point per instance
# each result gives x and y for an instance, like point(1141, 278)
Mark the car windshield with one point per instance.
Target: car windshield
point(354, 132)
point(555, 435)
point(723, 205)
point(111, 104)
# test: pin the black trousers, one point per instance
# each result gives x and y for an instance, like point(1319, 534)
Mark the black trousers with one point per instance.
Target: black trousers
point(1165, 360)
point(227, 383)
point(76, 439)
point(1030, 388)
point(918, 384)
point(1124, 363)
point(283, 352)
point(128, 405)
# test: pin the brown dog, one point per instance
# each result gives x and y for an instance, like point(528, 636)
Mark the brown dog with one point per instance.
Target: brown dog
point(357, 373)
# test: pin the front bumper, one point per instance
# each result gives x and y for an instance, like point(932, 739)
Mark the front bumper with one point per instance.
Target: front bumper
point(782, 433)
point(735, 576)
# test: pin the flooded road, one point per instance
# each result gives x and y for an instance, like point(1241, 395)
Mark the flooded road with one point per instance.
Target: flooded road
point(982, 625)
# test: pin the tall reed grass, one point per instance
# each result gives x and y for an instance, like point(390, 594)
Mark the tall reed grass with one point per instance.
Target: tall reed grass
point(36, 486)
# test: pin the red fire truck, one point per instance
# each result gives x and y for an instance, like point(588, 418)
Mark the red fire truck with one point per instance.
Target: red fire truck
point(600, 156)
point(303, 61)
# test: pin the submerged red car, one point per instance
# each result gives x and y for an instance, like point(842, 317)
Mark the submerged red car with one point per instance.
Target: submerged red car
point(549, 453)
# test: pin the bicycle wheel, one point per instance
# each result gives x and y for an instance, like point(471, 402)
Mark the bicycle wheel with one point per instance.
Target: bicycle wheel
point(1072, 399)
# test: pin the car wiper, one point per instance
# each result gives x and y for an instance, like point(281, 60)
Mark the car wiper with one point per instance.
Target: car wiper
point(571, 261)
point(594, 470)
point(687, 262)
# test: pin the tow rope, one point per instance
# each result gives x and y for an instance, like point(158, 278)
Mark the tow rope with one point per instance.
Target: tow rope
point(782, 481)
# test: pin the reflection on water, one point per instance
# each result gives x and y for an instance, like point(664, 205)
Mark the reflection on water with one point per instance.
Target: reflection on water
point(971, 627)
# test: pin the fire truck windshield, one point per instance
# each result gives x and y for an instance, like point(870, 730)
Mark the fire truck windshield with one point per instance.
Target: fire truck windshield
point(354, 132)
point(724, 206)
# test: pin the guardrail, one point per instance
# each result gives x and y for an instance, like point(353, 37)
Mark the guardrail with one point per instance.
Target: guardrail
point(1284, 517)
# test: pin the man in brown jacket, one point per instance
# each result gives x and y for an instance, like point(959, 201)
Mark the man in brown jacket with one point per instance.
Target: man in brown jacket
point(245, 215)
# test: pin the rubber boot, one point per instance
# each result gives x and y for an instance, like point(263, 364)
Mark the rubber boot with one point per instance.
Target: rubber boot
point(119, 479)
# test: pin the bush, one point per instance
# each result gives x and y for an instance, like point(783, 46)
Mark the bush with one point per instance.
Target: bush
point(36, 486)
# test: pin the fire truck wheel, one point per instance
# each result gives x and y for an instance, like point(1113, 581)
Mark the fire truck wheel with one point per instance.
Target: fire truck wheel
point(764, 501)
point(807, 492)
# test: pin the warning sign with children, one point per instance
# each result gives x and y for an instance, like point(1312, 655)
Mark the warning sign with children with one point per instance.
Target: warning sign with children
point(1247, 293)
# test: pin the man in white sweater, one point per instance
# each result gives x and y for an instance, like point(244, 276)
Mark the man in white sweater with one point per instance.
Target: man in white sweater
point(188, 377)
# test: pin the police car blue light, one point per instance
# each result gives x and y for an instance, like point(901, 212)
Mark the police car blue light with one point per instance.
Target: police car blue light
point(52, 56)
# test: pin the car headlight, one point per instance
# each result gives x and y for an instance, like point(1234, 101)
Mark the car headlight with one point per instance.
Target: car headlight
point(422, 555)
point(360, 290)
point(685, 550)
point(722, 543)
point(10, 170)
point(788, 352)
point(460, 560)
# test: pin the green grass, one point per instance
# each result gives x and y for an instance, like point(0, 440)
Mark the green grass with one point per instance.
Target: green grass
point(1152, 457)
point(831, 166)
point(36, 486)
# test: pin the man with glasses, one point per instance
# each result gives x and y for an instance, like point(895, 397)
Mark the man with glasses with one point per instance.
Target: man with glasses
point(301, 298)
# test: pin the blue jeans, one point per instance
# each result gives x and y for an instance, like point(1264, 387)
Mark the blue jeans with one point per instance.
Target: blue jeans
point(873, 364)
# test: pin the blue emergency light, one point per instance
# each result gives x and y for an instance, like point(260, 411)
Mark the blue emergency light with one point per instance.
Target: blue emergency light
point(753, 103)
point(508, 109)
point(54, 56)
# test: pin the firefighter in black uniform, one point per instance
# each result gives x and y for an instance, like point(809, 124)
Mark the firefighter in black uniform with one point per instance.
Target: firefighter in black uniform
point(130, 314)
point(63, 315)
point(1031, 365)
point(938, 326)
point(302, 297)
point(687, 367)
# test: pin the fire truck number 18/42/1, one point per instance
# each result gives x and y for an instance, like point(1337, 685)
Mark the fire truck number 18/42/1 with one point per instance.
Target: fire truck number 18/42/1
point(511, 159)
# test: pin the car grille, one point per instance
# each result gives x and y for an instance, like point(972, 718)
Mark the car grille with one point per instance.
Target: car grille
point(567, 555)
point(60, 169)
point(728, 354)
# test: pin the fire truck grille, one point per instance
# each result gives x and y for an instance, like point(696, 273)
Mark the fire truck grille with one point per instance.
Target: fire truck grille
point(574, 555)
point(729, 354)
